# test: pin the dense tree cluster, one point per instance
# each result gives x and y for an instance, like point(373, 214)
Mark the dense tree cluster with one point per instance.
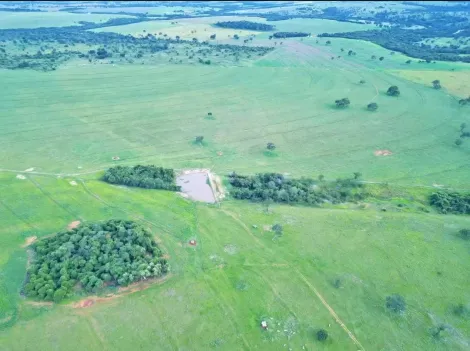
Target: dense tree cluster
point(281, 35)
point(275, 187)
point(148, 177)
point(247, 25)
point(93, 255)
point(451, 202)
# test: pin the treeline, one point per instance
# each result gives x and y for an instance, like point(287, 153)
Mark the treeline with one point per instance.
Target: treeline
point(147, 177)
point(405, 41)
point(451, 202)
point(290, 34)
point(247, 25)
point(93, 255)
point(275, 187)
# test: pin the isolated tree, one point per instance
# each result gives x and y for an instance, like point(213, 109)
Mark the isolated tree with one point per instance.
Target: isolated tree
point(357, 175)
point(341, 103)
point(328, 42)
point(464, 234)
point(321, 177)
point(395, 303)
point(408, 62)
point(458, 142)
point(270, 146)
point(322, 335)
point(235, 36)
point(209, 113)
point(462, 127)
point(277, 228)
point(362, 81)
point(436, 331)
point(381, 58)
point(213, 36)
point(436, 84)
point(372, 106)
point(393, 91)
point(373, 57)
point(199, 139)
point(342, 50)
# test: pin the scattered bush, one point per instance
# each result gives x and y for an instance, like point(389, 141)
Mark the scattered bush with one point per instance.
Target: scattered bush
point(372, 106)
point(341, 103)
point(93, 255)
point(322, 335)
point(395, 303)
point(393, 91)
point(148, 177)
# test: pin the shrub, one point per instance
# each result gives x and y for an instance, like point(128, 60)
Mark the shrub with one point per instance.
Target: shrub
point(322, 335)
point(395, 303)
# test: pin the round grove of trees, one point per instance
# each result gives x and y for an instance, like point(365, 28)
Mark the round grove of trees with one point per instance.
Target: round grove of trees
point(115, 252)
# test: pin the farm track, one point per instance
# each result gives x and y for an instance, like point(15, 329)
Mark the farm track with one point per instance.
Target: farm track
point(302, 277)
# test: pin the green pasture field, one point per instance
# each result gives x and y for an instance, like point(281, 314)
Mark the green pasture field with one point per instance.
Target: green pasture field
point(85, 115)
point(238, 274)
point(332, 268)
point(9, 20)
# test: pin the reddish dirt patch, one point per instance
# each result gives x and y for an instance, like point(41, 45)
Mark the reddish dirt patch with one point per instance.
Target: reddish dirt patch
point(192, 242)
point(383, 153)
point(73, 225)
point(29, 241)
point(142, 285)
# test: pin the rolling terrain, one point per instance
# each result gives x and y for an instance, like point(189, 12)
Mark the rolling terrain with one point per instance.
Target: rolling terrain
point(332, 267)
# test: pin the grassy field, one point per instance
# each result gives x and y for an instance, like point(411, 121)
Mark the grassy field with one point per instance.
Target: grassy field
point(9, 20)
point(456, 83)
point(238, 275)
point(332, 268)
point(85, 115)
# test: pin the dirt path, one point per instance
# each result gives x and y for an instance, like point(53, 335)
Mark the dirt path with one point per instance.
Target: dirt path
point(332, 312)
point(305, 280)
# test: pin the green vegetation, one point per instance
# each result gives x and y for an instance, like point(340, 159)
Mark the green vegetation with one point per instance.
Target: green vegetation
point(395, 303)
point(148, 177)
point(290, 34)
point(451, 202)
point(277, 188)
point(93, 255)
point(239, 271)
point(245, 25)
point(393, 91)
point(363, 262)
point(342, 103)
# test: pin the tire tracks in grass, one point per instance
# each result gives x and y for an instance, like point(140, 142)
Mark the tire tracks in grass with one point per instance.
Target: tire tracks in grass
point(305, 280)
point(224, 305)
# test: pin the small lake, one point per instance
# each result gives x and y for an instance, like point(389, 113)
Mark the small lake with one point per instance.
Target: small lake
point(196, 187)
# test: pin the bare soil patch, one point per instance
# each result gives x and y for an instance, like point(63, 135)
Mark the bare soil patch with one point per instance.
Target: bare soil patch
point(73, 183)
point(29, 169)
point(192, 242)
point(29, 241)
point(383, 152)
point(73, 225)
point(115, 158)
point(267, 228)
point(139, 286)
point(20, 176)
point(219, 153)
